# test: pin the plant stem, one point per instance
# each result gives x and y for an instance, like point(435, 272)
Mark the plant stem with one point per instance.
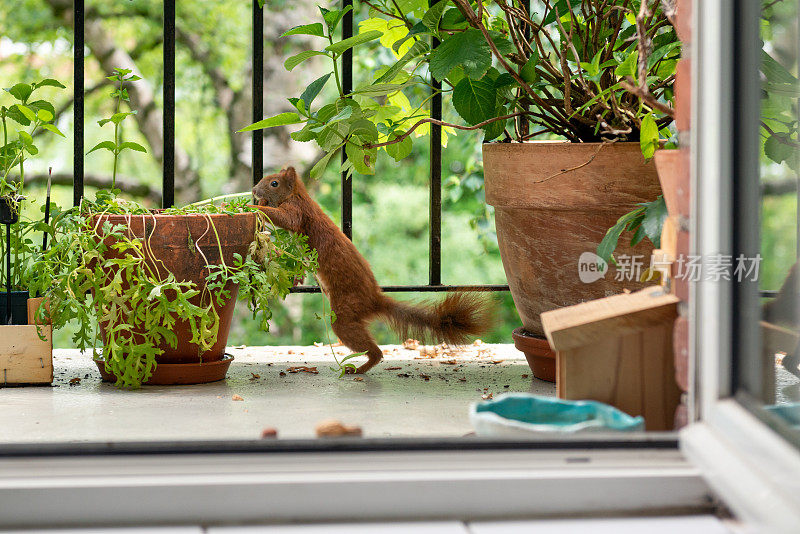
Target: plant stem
point(116, 140)
point(221, 197)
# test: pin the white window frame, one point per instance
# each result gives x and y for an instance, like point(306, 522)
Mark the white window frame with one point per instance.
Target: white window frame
point(754, 470)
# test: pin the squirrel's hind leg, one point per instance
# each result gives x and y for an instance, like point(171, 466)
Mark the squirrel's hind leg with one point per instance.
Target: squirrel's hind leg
point(353, 334)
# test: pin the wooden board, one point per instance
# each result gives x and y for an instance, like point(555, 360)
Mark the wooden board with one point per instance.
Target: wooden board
point(618, 350)
point(585, 323)
point(24, 358)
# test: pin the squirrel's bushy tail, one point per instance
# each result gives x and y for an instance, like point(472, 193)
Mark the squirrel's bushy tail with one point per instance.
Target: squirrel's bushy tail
point(452, 320)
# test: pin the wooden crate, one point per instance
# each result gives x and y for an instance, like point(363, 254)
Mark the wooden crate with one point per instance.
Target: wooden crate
point(24, 358)
point(618, 350)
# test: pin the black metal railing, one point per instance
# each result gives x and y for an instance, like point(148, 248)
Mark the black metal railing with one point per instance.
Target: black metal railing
point(168, 166)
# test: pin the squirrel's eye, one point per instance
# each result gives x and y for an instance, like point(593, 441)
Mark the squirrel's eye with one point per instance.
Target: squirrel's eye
point(274, 183)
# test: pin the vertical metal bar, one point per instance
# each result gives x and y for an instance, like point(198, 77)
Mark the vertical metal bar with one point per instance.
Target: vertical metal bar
point(168, 179)
point(77, 106)
point(347, 86)
point(258, 91)
point(435, 253)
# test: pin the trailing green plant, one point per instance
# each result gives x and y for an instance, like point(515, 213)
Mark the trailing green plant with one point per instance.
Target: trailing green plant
point(96, 272)
point(568, 69)
point(23, 120)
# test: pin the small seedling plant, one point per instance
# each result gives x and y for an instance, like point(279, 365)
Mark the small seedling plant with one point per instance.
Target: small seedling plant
point(120, 94)
point(23, 120)
point(125, 301)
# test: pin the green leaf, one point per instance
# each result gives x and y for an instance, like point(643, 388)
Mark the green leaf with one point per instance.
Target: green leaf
point(306, 29)
point(44, 115)
point(27, 141)
point(346, 44)
point(53, 129)
point(27, 112)
point(363, 159)
point(333, 17)
point(21, 91)
point(609, 243)
point(381, 89)
point(563, 8)
point(36, 105)
point(433, 15)
point(281, 119)
point(628, 66)
point(108, 145)
point(51, 83)
point(503, 44)
point(467, 49)
point(304, 135)
point(399, 150)
point(133, 146)
point(295, 60)
point(655, 213)
point(775, 72)
point(364, 130)
point(475, 100)
point(345, 113)
point(313, 90)
point(648, 139)
point(528, 71)
point(495, 129)
point(319, 167)
point(776, 148)
point(660, 53)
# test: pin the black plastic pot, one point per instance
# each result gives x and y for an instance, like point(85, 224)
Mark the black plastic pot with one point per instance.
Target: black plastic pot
point(9, 210)
point(19, 307)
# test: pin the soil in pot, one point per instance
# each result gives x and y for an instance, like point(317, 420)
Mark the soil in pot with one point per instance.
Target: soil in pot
point(184, 245)
point(554, 202)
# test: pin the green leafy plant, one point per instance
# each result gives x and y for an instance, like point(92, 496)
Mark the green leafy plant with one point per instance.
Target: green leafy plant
point(97, 272)
point(568, 69)
point(27, 117)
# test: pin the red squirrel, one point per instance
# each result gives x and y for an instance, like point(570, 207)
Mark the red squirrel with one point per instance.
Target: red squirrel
point(347, 280)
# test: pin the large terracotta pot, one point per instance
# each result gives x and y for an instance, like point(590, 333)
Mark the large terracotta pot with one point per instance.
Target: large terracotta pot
point(174, 240)
point(554, 202)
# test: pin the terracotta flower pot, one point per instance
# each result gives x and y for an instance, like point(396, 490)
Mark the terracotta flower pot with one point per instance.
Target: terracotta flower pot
point(673, 173)
point(541, 358)
point(554, 202)
point(174, 240)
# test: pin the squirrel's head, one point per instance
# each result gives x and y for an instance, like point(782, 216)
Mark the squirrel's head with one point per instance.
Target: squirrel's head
point(274, 189)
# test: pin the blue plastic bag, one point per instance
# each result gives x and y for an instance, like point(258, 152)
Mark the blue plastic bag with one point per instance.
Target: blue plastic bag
point(521, 414)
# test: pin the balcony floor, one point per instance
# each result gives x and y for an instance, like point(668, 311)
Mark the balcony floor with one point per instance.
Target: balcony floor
point(387, 402)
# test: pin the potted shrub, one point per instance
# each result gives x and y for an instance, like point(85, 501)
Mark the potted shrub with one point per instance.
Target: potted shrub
point(566, 71)
point(28, 116)
point(153, 291)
